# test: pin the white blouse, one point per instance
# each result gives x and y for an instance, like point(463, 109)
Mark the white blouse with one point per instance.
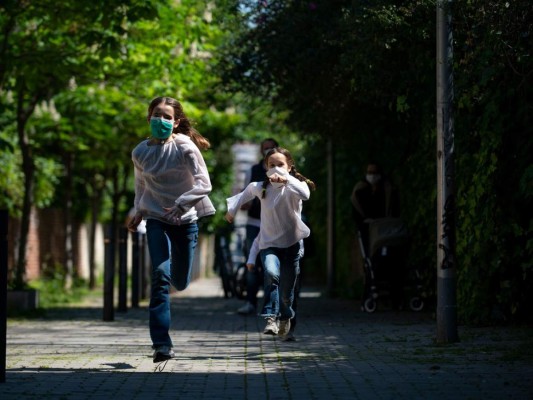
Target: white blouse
point(281, 220)
point(173, 173)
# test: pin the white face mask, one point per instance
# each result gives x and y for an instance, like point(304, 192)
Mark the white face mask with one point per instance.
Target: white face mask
point(277, 170)
point(373, 178)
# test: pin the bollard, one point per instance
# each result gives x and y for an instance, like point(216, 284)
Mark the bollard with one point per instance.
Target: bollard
point(4, 220)
point(135, 270)
point(123, 270)
point(144, 270)
point(109, 274)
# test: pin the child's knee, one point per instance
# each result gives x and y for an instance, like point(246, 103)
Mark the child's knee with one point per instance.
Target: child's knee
point(160, 274)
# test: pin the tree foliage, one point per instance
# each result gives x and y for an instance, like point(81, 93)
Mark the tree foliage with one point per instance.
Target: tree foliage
point(44, 45)
point(76, 78)
point(494, 105)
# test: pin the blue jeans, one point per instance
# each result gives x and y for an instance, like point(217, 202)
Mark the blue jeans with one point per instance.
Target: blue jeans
point(168, 267)
point(281, 268)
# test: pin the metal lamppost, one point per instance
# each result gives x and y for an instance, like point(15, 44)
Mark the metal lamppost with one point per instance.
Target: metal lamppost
point(446, 260)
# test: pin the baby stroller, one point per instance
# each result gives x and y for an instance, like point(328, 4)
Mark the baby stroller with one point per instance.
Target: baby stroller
point(384, 255)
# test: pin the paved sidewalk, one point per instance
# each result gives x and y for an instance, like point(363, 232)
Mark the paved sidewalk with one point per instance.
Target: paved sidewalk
point(340, 353)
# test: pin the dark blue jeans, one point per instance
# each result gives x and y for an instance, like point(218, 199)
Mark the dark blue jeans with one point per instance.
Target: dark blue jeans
point(169, 266)
point(281, 268)
point(254, 277)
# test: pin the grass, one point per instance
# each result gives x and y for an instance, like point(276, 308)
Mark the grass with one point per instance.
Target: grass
point(53, 294)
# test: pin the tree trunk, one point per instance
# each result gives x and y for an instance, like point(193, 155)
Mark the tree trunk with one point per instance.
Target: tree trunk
point(29, 174)
point(114, 212)
point(69, 257)
point(28, 169)
point(96, 200)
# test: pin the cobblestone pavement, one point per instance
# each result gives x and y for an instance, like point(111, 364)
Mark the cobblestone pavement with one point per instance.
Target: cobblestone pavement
point(340, 353)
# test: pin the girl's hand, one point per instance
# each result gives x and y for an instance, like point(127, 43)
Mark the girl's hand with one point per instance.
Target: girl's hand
point(277, 178)
point(229, 217)
point(250, 267)
point(173, 214)
point(134, 223)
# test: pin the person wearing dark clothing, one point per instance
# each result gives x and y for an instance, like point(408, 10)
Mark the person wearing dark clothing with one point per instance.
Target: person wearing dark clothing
point(374, 197)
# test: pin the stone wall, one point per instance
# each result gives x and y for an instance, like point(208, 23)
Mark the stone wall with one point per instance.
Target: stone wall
point(46, 247)
point(46, 244)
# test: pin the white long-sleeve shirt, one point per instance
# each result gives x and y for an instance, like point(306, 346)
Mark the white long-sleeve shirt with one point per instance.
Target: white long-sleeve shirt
point(281, 220)
point(171, 174)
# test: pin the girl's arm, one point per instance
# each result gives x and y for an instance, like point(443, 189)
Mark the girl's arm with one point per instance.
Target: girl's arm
point(299, 188)
point(235, 202)
point(254, 251)
point(139, 190)
point(201, 181)
point(139, 186)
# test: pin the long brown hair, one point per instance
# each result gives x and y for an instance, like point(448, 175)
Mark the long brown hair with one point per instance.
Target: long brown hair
point(184, 126)
point(292, 165)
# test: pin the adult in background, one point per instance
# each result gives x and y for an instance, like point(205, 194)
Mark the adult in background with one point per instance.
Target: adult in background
point(374, 197)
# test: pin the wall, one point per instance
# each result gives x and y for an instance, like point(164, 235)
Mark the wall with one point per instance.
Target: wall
point(46, 247)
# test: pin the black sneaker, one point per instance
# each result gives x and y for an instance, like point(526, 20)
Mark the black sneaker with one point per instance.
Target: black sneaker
point(284, 327)
point(289, 337)
point(163, 353)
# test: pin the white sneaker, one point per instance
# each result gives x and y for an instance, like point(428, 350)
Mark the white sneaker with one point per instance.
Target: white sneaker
point(271, 327)
point(246, 309)
point(284, 327)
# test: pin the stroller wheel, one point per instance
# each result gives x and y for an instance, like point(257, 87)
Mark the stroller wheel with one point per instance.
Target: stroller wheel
point(370, 305)
point(416, 304)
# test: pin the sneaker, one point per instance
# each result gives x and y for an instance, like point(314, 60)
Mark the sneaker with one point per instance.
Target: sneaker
point(246, 309)
point(163, 353)
point(284, 327)
point(271, 327)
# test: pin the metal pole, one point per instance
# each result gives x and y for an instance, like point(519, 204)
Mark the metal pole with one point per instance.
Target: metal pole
point(109, 274)
point(4, 220)
point(446, 261)
point(123, 270)
point(135, 269)
point(331, 240)
point(145, 274)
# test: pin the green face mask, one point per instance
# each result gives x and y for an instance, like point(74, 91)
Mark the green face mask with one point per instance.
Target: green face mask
point(161, 128)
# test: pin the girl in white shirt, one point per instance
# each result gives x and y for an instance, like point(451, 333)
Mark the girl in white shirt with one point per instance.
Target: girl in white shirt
point(282, 228)
point(171, 188)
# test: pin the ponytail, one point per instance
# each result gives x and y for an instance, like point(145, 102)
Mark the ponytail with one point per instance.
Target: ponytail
point(186, 128)
point(264, 188)
point(302, 178)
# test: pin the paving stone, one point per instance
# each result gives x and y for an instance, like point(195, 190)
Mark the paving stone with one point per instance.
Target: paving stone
point(340, 353)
